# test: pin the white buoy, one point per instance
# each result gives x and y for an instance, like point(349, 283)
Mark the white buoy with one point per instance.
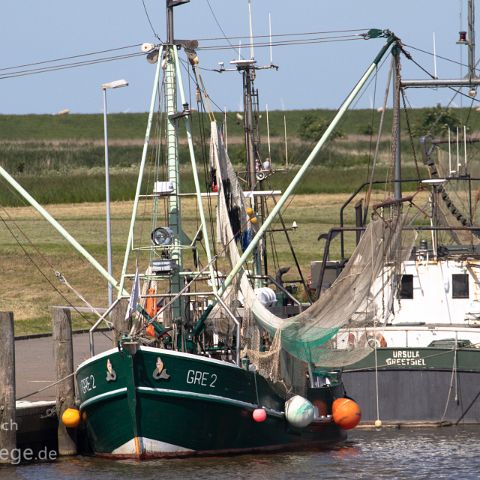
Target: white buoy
point(378, 423)
point(299, 412)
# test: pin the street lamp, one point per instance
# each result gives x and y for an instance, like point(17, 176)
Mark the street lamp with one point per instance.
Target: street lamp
point(105, 87)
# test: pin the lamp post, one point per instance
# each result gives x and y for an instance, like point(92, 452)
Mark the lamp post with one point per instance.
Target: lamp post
point(105, 87)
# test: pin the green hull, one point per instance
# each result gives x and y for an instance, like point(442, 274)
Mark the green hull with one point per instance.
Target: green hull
point(161, 403)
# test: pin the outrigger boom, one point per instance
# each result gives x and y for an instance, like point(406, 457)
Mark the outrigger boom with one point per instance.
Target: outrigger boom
point(391, 38)
point(59, 228)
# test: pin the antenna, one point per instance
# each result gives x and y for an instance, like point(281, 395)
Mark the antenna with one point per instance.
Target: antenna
point(450, 153)
point(225, 129)
point(239, 50)
point(471, 39)
point(434, 57)
point(268, 135)
point(270, 31)
point(286, 142)
point(458, 157)
point(252, 51)
point(465, 147)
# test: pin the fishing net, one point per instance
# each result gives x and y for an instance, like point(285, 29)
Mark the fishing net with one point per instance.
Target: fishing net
point(320, 334)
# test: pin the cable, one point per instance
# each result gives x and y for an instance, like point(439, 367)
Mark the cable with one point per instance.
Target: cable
point(24, 73)
point(286, 43)
point(457, 92)
point(150, 22)
point(71, 57)
point(37, 266)
point(436, 55)
point(207, 39)
point(221, 29)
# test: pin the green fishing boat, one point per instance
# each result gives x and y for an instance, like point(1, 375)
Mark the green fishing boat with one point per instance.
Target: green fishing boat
point(204, 363)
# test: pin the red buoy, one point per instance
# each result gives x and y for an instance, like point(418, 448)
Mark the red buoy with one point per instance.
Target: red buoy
point(259, 415)
point(346, 413)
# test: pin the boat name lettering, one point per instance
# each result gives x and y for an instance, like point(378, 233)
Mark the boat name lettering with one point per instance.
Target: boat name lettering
point(205, 379)
point(87, 384)
point(406, 358)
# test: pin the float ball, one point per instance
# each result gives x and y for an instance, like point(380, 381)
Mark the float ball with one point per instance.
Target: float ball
point(378, 424)
point(346, 413)
point(259, 415)
point(254, 220)
point(71, 417)
point(249, 211)
point(150, 330)
point(299, 412)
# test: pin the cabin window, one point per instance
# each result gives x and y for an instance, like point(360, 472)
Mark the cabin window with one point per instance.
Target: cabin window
point(406, 286)
point(460, 285)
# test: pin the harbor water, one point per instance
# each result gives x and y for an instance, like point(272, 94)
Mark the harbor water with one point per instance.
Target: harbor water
point(440, 453)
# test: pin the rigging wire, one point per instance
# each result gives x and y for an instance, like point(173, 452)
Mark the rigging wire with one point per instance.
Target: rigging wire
point(458, 91)
point(293, 34)
point(410, 133)
point(150, 22)
point(71, 57)
point(36, 265)
point(54, 68)
point(456, 62)
point(282, 43)
point(8, 73)
point(221, 29)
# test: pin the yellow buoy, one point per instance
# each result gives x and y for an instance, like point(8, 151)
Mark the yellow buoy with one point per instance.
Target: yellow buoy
point(249, 211)
point(71, 417)
point(254, 220)
point(378, 424)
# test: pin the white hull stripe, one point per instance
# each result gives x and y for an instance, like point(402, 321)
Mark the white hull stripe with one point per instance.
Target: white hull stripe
point(102, 396)
point(180, 393)
point(209, 398)
point(161, 351)
point(148, 446)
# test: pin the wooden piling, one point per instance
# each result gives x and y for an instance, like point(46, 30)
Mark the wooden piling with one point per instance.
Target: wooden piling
point(8, 432)
point(120, 325)
point(63, 349)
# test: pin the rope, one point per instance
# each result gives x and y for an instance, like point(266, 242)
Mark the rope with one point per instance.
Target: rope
point(410, 134)
point(256, 386)
point(47, 387)
point(454, 370)
point(377, 146)
point(39, 269)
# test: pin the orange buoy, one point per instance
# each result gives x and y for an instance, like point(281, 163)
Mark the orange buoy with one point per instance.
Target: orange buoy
point(71, 417)
point(151, 303)
point(346, 413)
point(254, 220)
point(150, 330)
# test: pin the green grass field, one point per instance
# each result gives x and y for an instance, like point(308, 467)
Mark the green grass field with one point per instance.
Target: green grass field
point(60, 161)
point(31, 252)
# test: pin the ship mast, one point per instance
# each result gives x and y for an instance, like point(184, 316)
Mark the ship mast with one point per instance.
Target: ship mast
point(173, 173)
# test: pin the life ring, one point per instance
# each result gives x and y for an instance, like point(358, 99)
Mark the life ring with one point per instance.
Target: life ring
point(373, 340)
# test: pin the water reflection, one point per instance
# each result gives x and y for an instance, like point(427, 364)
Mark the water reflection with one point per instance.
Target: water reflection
point(440, 453)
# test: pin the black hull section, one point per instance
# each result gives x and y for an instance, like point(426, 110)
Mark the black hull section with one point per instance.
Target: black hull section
point(408, 396)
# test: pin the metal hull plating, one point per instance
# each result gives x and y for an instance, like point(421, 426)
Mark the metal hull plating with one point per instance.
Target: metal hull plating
point(417, 385)
point(163, 403)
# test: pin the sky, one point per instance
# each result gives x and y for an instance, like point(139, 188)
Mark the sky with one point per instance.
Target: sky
point(310, 76)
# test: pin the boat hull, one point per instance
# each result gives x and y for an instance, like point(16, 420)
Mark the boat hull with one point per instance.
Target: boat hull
point(417, 386)
point(163, 403)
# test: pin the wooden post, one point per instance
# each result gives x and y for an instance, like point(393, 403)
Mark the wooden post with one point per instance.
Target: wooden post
point(63, 348)
point(120, 325)
point(8, 432)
